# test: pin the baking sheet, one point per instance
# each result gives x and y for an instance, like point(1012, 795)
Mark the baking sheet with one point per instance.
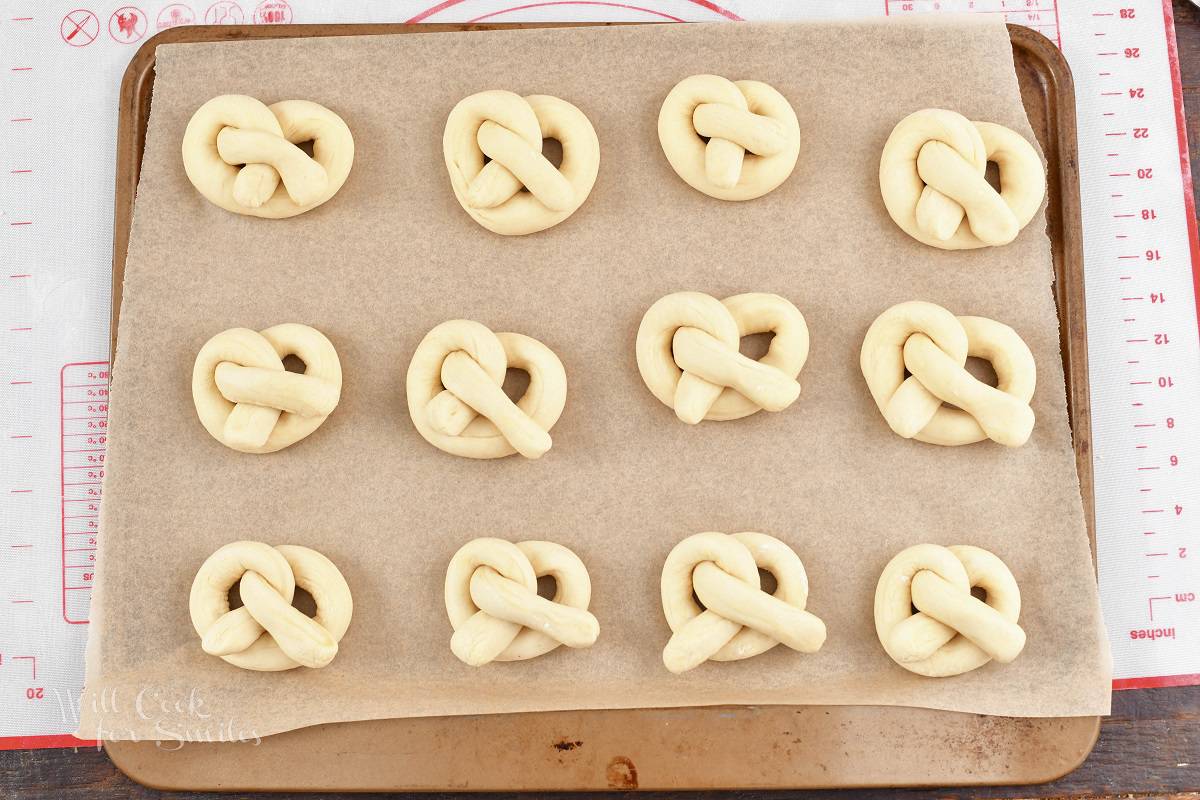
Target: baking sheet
point(393, 254)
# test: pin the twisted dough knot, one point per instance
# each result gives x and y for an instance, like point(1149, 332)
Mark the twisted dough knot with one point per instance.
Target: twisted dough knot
point(933, 345)
point(951, 632)
point(267, 634)
point(732, 141)
point(738, 619)
point(234, 130)
point(494, 607)
point(246, 398)
point(456, 397)
point(519, 191)
point(932, 175)
point(687, 352)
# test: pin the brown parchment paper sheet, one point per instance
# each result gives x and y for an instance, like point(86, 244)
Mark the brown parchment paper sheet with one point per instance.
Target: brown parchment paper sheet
point(393, 254)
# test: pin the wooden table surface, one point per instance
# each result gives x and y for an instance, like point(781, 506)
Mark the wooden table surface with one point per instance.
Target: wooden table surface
point(1149, 746)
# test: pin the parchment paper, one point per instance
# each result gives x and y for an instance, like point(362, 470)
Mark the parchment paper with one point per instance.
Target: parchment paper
point(393, 254)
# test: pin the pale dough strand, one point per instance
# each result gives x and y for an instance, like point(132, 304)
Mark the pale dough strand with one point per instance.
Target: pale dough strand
point(952, 631)
point(242, 155)
point(494, 607)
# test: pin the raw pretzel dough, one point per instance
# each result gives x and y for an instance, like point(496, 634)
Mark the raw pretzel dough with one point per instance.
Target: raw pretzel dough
point(952, 631)
point(494, 607)
point(753, 136)
point(456, 397)
point(519, 191)
point(933, 345)
point(931, 175)
point(739, 620)
point(248, 401)
point(279, 179)
point(687, 353)
point(267, 633)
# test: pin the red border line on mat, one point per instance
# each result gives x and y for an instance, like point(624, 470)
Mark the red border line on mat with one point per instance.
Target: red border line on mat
point(445, 4)
point(1160, 682)
point(43, 742)
point(1185, 165)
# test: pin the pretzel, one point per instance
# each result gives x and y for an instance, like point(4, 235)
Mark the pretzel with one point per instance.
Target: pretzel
point(933, 345)
point(456, 397)
point(242, 155)
point(266, 633)
point(732, 141)
point(687, 353)
point(932, 175)
point(494, 607)
point(738, 619)
point(246, 399)
point(951, 632)
point(519, 191)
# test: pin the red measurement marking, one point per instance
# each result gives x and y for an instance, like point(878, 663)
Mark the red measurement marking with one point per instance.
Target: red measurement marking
point(19, 383)
point(21, 491)
point(1133, 362)
point(21, 171)
point(21, 119)
point(21, 602)
point(22, 19)
point(21, 436)
point(20, 329)
point(1113, 53)
point(1152, 555)
point(1112, 94)
point(1118, 175)
point(1102, 14)
point(1123, 258)
point(1134, 298)
point(1145, 425)
point(1140, 447)
point(16, 224)
point(1152, 511)
point(1117, 133)
point(1136, 341)
point(1145, 469)
point(19, 546)
point(1125, 278)
point(1139, 383)
point(21, 275)
point(1116, 195)
point(1123, 216)
point(1139, 405)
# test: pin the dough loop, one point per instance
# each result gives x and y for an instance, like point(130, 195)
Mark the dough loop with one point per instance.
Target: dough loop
point(738, 620)
point(278, 179)
point(753, 136)
point(456, 397)
point(933, 345)
point(249, 402)
point(687, 353)
point(518, 190)
point(932, 175)
point(494, 607)
point(952, 631)
point(267, 633)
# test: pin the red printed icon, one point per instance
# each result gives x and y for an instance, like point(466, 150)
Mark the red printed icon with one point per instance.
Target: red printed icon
point(79, 28)
point(174, 15)
point(224, 12)
point(273, 12)
point(127, 24)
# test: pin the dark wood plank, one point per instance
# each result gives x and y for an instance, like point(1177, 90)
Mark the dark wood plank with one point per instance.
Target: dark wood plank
point(1150, 744)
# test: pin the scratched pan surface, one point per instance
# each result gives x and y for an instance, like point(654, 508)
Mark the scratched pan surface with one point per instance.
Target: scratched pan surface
point(691, 748)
